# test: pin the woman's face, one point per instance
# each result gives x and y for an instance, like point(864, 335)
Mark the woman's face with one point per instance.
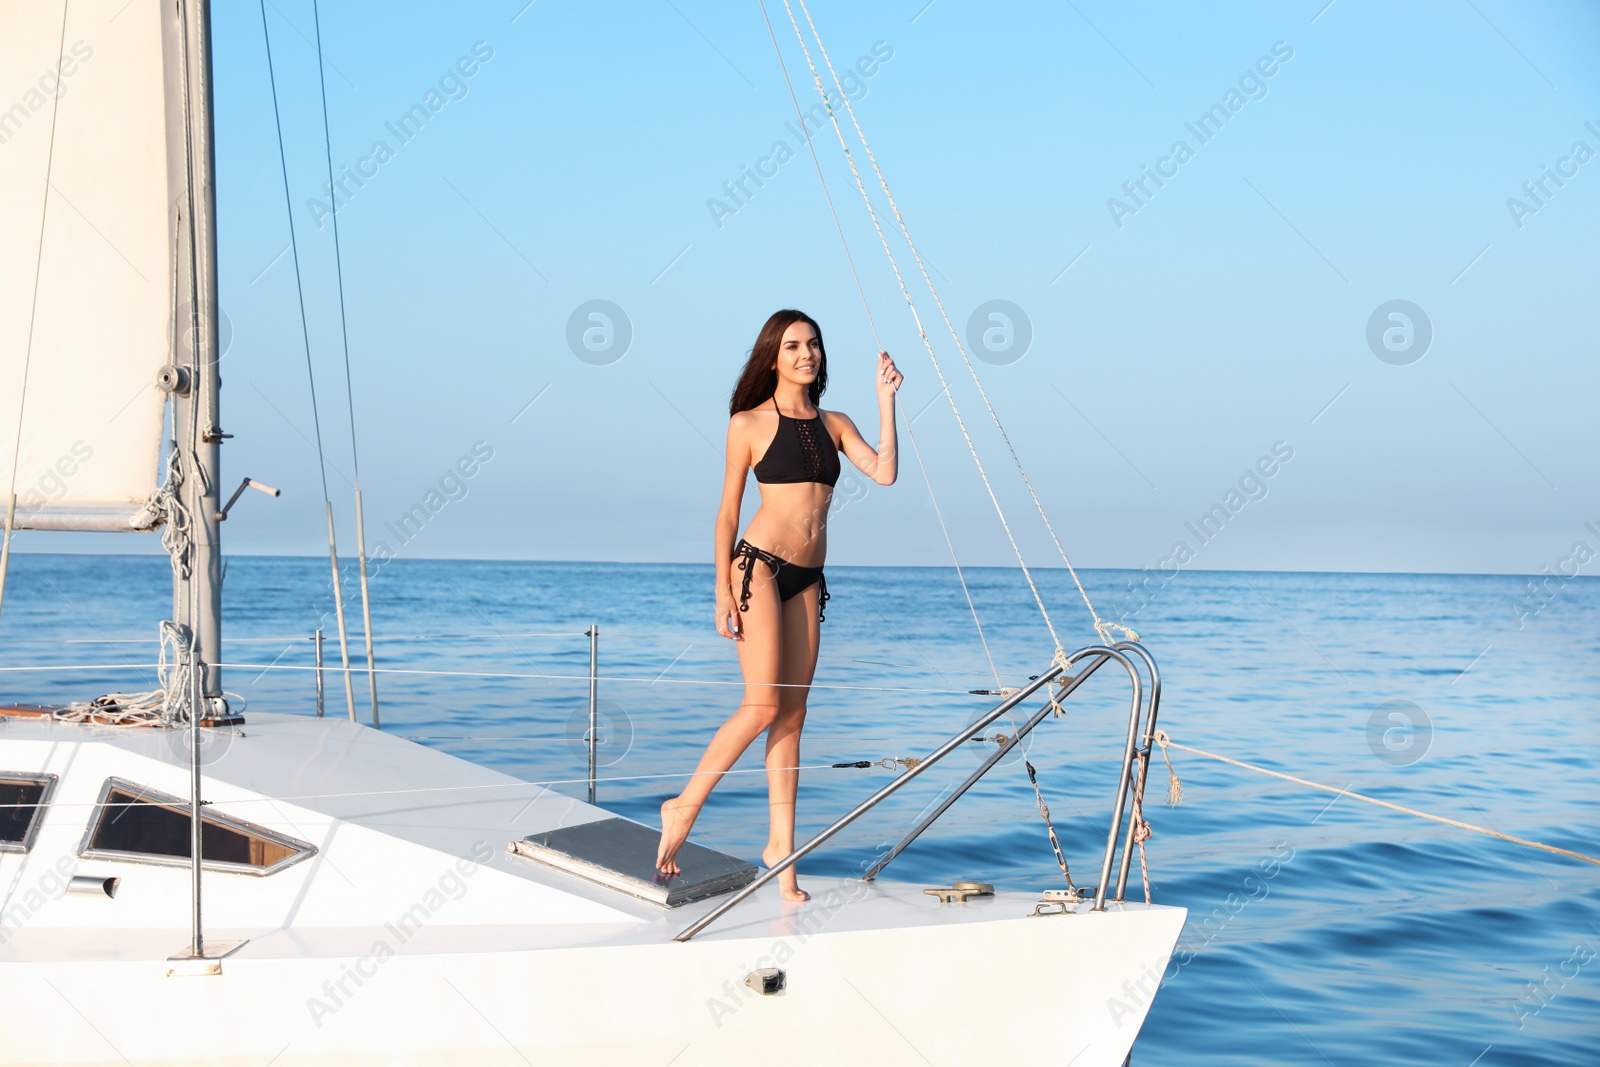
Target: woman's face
point(799, 354)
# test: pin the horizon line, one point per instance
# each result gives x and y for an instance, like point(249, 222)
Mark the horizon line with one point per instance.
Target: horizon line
point(874, 566)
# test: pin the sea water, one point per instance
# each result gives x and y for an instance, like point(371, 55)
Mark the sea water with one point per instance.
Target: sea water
point(1321, 930)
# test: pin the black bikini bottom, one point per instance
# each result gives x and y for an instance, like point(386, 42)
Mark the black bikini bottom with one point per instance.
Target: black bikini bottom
point(792, 578)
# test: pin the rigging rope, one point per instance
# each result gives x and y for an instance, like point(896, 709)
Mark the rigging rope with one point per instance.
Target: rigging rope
point(349, 389)
point(837, 225)
point(961, 577)
point(311, 376)
point(916, 450)
point(921, 332)
point(1163, 740)
point(1101, 626)
point(1141, 826)
point(27, 358)
point(167, 501)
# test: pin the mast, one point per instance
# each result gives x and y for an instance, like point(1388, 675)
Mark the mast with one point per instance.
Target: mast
point(197, 597)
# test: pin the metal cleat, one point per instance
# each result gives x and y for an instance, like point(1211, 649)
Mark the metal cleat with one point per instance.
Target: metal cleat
point(960, 891)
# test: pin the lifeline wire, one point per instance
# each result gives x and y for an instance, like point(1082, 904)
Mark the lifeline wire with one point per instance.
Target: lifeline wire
point(638, 680)
point(311, 376)
point(349, 389)
point(27, 358)
point(907, 760)
point(1160, 737)
point(292, 639)
point(575, 678)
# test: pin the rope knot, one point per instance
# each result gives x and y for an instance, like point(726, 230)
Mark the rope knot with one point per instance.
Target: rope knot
point(1174, 785)
point(1104, 628)
point(1060, 660)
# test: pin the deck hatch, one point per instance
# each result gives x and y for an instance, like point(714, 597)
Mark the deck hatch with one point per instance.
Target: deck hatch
point(141, 825)
point(620, 854)
point(23, 798)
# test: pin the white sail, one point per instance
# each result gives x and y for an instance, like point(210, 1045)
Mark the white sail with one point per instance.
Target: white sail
point(93, 187)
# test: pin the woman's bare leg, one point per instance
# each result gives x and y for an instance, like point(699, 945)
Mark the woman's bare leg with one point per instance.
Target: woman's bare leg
point(802, 634)
point(760, 655)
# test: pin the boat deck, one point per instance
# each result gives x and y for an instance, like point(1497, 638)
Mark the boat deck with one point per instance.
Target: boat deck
point(427, 866)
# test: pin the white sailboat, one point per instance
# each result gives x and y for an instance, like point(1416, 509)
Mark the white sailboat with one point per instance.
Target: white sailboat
point(363, 899)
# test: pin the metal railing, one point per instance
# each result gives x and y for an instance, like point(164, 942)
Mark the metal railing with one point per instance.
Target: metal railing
point(1132, 757)
point(1148, 734)
point(592, 735)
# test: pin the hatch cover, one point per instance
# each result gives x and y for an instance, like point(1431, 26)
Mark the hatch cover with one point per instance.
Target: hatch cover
point(620, 854)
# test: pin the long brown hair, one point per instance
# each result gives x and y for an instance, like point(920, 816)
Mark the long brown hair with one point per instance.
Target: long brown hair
point(759, 380)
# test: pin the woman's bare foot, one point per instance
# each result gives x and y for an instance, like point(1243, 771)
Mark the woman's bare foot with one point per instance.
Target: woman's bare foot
point(677, 819)
point(788, 885)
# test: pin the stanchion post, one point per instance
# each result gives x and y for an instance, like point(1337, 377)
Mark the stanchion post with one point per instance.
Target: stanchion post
point(316, 640)
point(594, 702)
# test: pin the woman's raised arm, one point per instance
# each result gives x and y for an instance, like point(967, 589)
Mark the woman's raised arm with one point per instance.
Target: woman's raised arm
point(881, 464)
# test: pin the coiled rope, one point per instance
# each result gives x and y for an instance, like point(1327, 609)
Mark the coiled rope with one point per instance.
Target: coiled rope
point(167, 705)
point(166, 504)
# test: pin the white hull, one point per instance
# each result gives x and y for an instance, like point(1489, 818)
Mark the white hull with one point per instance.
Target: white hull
point(1003, 991)
point(503, 960)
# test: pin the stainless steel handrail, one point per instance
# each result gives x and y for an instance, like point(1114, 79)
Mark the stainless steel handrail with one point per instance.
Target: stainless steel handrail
point(1148, 735)
point(972, 779)
point(1102, 654)
point(871, 802)
point(1122, 777)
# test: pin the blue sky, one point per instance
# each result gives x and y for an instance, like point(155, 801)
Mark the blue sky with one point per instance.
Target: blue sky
point(1177, 339)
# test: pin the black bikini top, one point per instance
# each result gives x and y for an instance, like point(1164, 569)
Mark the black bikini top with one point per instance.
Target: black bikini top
point(804, 452)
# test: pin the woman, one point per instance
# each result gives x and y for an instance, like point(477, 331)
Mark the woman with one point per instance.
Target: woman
point(769, 586)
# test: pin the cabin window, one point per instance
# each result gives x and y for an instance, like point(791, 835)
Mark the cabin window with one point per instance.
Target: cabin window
point(135, 823)
point(22, 802)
